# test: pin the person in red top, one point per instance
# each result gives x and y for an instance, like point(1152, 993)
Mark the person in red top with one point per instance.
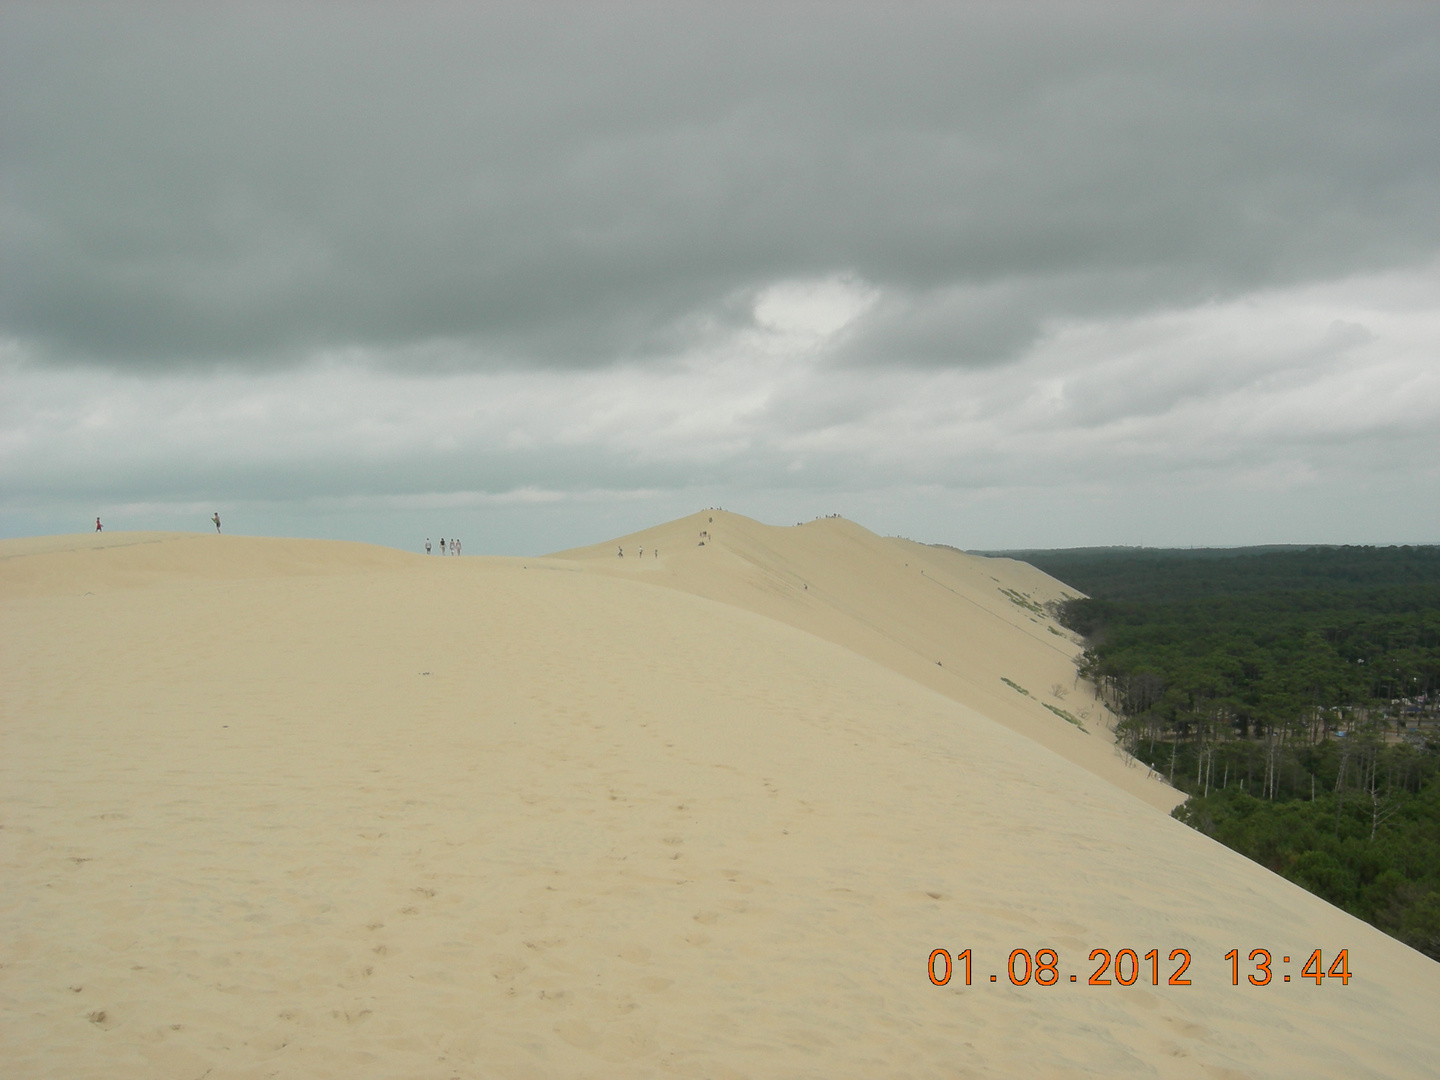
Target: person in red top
point(98, 526)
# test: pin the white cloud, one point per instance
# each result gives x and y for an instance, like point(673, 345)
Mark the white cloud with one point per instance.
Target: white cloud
point(813, 310)
point(1293, 390)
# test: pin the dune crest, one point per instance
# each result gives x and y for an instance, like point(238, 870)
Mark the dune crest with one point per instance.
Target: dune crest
point(110, 561)
point(971, 628)
point(303, 809)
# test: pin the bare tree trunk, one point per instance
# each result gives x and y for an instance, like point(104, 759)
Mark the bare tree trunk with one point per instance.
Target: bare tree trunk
point(1380, 810)
point(1340, 786)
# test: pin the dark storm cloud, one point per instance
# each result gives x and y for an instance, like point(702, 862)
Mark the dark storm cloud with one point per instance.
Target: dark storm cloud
point(577, 186)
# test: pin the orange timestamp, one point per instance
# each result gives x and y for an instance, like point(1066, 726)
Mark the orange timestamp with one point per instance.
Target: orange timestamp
point(1126, 967)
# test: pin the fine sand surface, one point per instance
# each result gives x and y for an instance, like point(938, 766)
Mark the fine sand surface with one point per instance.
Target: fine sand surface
point(276, 808)
point(957, 623)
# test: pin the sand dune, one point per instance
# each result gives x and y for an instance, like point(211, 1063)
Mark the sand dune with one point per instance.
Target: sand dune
point(302, 809)
point(956, 623)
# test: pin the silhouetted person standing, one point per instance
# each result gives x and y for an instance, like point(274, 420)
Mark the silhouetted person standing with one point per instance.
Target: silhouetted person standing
point(98, 526)
point(215, 517)
point(427, 545)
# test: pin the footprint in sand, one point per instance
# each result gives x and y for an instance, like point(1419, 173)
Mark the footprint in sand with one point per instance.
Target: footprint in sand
point(506, 967)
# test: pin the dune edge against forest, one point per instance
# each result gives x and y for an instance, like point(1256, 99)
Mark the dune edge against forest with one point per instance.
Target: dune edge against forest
point(313, 809)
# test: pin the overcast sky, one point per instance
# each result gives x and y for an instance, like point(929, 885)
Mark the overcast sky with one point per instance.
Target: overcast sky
point(1029, 275)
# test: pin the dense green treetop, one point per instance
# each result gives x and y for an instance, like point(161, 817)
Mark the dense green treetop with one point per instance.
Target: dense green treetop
point(1295, 693)
point(1164, 574)
point(1271, 633)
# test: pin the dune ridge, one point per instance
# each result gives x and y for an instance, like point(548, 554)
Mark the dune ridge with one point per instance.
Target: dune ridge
point(956, 623)
point(302, 809)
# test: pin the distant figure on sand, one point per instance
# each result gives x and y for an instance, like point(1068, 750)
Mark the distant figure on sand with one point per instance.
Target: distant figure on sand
point(98, 526)
point(442, 545)
point(641, 553)
point(427, 545)
point(215, 517)
point(621, 553)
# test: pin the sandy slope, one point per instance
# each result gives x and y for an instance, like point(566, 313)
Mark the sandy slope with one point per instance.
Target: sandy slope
point(277, 808)
point(956, 623)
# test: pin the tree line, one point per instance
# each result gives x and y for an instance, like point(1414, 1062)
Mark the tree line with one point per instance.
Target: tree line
point(1294, 694)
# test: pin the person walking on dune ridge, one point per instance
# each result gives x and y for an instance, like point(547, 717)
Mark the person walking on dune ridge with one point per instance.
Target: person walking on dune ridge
point(215, 517)
point(98, 526)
